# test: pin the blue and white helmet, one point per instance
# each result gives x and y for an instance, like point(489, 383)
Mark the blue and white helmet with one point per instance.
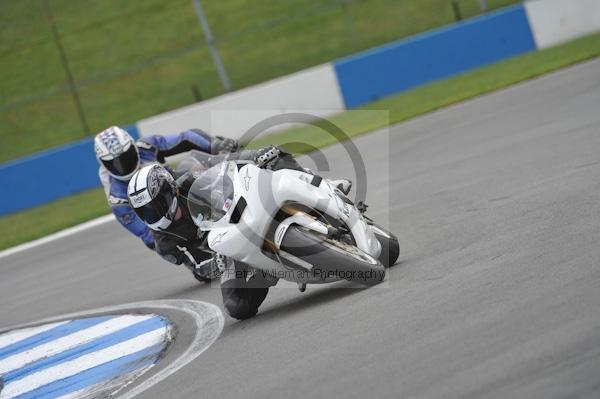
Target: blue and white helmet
point(116, 151)
point(153, 196)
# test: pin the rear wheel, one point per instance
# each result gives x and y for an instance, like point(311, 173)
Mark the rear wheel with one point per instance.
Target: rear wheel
point(332, 258)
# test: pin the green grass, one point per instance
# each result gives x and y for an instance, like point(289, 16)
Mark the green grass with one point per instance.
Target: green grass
point(136, 58)
point(38, 222)
point(31, 224)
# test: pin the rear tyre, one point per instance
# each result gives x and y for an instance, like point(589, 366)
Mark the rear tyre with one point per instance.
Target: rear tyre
point(390, 248)
point(331, 258)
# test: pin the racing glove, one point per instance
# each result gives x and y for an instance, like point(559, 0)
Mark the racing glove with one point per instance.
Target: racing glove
point(265, 156)
point(220, 144)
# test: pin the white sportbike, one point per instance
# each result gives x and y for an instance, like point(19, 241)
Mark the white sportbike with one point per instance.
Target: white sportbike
point(292, 225)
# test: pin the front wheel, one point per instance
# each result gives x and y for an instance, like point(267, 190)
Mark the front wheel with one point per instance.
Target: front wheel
point(390, 248)
point(332, 258)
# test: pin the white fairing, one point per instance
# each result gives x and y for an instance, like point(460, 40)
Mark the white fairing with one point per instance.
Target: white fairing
point(265, 192)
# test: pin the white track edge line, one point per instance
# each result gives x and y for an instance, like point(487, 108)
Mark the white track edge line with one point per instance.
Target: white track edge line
point(58, 235)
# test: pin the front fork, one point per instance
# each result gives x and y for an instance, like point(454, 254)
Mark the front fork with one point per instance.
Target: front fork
point(318, 194)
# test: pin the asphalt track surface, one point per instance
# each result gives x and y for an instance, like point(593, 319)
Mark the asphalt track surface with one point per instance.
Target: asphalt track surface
point(496, 202)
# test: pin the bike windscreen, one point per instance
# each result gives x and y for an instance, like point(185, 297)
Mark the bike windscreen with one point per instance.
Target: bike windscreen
point(211, 195)
point(199, 161)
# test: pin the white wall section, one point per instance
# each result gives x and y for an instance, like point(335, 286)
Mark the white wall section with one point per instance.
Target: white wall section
point(311, 89)
point(557, 21)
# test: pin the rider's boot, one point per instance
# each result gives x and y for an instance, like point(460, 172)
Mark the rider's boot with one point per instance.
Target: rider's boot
point(205, 271)
point(344, 185)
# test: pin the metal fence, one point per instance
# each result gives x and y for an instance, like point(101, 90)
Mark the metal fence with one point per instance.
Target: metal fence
point(71, 68)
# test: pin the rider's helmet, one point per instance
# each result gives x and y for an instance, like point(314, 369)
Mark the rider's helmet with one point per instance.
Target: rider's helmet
point(116, 151)
point(153, 196)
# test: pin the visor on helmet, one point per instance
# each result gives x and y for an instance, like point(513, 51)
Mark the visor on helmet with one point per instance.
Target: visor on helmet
point(123, 165)
point(165, 221)
point(163, 206)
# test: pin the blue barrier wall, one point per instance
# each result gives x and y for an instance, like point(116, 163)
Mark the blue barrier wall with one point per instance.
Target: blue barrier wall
point(438, 54)
point(362, 78)
point(49, 175)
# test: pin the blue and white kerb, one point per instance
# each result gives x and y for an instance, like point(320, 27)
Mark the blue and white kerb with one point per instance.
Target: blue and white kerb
point(82, 358)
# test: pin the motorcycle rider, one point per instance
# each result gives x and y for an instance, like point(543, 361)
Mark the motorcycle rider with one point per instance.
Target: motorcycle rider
point(160, 200)
point(120, 157)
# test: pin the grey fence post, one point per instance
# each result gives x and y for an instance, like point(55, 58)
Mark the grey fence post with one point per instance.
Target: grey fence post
point(456, 10)
point(67, 69)
point(210, 40)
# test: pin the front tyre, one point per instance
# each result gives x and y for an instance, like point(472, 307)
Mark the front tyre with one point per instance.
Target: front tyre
point(332, 258)
point(390, 248)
